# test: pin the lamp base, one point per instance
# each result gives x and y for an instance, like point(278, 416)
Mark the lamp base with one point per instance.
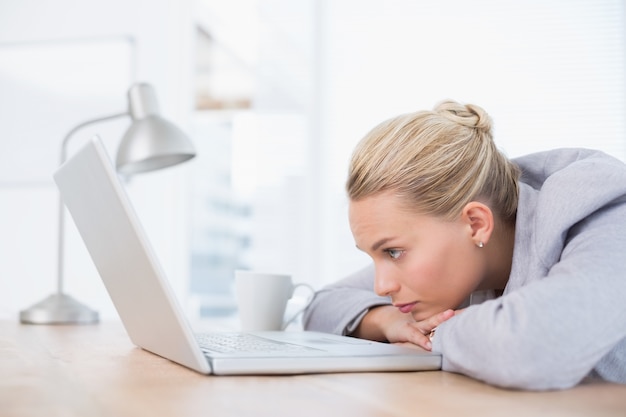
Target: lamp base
point(59, 309)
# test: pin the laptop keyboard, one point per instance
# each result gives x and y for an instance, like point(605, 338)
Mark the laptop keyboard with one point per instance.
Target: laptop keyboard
point(243, 342)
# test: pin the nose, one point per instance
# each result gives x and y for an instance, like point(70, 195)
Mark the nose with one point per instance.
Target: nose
point(385, 283)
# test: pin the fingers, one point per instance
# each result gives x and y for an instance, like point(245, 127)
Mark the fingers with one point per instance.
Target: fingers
point(430, 323)
point(420, 339)
point(404, 329)
point(424, 328)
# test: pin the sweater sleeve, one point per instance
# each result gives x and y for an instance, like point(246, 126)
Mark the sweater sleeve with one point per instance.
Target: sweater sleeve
point(556, 330)
point(339, 307)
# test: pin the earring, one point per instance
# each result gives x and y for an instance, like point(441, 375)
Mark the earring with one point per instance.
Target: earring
point(480, 245)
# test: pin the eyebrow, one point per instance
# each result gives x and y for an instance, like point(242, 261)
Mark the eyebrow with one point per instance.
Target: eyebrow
point(380, 242)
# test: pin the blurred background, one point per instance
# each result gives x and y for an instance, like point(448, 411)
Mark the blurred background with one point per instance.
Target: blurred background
point(274, 95)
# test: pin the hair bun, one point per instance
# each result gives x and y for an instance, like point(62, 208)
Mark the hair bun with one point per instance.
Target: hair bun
point(469, 115)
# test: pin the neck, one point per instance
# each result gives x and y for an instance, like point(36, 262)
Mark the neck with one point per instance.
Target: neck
point(499, 257)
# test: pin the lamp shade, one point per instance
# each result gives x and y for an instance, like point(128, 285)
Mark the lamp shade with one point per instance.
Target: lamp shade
point(151, 142)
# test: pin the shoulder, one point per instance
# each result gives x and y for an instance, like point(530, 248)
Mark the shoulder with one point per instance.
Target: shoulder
point(564, 188)
point(538, 167)
point(574, 174)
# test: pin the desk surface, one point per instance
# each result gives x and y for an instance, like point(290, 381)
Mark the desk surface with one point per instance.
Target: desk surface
point(95, 371)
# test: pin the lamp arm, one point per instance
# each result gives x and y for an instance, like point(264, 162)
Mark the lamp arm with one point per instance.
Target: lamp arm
point(69, 135)
point(61, 232)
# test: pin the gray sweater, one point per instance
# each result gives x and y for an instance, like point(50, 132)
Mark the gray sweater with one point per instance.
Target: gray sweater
point(562, 317)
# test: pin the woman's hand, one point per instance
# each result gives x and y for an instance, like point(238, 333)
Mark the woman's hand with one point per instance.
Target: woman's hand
point(387, 323)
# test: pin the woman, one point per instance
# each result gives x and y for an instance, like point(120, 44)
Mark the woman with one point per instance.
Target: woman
point(515, 270)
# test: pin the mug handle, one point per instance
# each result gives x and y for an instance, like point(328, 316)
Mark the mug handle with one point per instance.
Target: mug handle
point(300, 310)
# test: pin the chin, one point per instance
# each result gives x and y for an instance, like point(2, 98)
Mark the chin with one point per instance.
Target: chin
point(422, 315)
point(426, 314)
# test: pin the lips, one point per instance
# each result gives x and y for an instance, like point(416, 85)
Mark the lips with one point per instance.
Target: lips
point(405, 308)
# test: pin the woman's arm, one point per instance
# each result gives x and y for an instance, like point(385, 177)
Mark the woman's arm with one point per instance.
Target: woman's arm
point(339, 308)
point(552, 332)
point(350, 307)
point(387, 323)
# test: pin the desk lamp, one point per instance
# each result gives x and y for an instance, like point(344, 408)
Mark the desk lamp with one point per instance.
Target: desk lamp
point(150, 143)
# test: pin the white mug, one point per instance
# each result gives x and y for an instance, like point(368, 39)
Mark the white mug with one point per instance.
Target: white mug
point(262, 300)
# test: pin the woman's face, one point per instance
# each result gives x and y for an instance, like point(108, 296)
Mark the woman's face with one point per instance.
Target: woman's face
point(425, 264)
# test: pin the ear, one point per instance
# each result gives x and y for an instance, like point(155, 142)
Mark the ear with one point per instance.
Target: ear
point(479, 218)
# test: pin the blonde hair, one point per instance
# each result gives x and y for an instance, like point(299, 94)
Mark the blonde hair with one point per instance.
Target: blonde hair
point(436, 162)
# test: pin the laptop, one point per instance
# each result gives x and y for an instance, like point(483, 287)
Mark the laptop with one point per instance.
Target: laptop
point(152, 316)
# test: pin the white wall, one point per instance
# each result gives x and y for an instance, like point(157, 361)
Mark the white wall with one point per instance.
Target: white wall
point(38, 106)
point(370, 59)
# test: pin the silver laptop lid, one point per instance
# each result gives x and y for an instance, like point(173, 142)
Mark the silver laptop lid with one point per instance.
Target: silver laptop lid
point(120, 250)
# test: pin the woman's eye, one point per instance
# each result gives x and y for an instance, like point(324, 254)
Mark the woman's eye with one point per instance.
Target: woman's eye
point(394, 253)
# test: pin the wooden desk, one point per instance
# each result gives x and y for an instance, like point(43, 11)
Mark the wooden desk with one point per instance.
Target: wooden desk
point(92, 371)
